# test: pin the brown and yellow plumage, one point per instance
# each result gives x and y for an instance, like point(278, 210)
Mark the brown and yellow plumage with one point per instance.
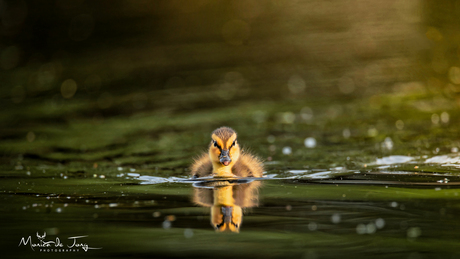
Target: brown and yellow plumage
point(225, 159)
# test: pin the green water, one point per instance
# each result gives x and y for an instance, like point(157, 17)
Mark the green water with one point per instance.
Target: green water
point(354, 194)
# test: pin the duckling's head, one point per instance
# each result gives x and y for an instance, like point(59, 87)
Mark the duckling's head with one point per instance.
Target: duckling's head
point(226, 218)
point(224, 149)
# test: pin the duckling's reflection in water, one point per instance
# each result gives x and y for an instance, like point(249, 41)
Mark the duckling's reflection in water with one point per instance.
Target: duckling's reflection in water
point(227, 201)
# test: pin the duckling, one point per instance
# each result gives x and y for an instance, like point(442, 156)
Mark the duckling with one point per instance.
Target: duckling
point(225, 158)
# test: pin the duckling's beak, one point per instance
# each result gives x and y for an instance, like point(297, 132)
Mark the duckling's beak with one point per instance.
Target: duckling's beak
point(225, 157)
point(227, 213)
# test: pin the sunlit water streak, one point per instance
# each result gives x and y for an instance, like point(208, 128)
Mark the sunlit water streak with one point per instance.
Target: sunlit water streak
point(340, 175)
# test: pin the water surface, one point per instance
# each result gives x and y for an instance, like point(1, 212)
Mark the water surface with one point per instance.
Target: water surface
point(375, 190)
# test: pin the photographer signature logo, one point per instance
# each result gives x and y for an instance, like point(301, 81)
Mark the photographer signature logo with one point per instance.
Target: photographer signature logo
point(74, 245)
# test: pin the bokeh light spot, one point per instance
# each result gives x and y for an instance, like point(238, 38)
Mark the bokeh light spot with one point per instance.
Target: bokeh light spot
point(399, 124)
point(287, 117)
point(335, 218)
point(445, 117)
point(306, 113)
point(30, 136)
point(380, 223)
point(346, 85)
point(361, 229)
point(414, 232)
point(310, 142)
point(388, 143)
point(454, 75)
point(346, 133)
point(433, 34)
point(312, 226)
point(188, 233)
point(260, 116)
point(435, 118)
point(46, 76)
point(372, 132)
point(296, 84)
point(370, 228)
point(287, 150)
point(68, 88)
point(166, 224)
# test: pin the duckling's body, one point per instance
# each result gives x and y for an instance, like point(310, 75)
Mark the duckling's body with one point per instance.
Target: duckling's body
point(224, 158)
point(246, 166)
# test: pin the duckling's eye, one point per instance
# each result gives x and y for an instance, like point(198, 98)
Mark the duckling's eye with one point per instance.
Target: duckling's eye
point(216, 145)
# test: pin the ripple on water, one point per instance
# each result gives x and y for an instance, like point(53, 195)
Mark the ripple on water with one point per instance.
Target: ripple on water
point(445, 160)
point(390, 160)
point(298, 171)
point(321, 175)
point(147, 179)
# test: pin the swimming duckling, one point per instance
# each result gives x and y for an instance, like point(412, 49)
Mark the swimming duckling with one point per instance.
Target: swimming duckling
point(224, 158)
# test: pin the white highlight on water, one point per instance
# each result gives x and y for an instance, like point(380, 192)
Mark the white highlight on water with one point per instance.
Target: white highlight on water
point(310, 142)
point(287, 150)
